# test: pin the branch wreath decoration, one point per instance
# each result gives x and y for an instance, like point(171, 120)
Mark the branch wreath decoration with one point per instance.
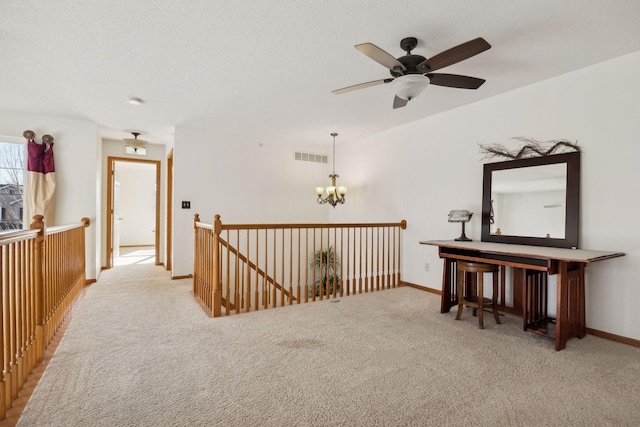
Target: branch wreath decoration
point(531, 148)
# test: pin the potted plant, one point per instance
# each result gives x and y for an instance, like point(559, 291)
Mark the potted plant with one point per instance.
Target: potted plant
point(326, 262)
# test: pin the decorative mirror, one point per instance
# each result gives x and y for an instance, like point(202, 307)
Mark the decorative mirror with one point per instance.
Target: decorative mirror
point(532, 201)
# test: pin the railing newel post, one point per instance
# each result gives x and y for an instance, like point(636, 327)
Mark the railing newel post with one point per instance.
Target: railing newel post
point(38, 224)
point(217, 292)
point(196, 271)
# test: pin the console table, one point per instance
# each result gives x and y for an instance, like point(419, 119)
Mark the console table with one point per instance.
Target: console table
point(531, 266)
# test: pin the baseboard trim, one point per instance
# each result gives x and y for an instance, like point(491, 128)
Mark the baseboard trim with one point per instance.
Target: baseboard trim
point(90, 282)
point(613, 337)
point(510, 310)
point(421, 288)
point(186, 276)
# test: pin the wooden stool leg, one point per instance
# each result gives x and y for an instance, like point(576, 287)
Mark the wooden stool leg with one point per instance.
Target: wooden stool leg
point(473, 286)
point(494, 298)
point(480, 300)
point(460, 291)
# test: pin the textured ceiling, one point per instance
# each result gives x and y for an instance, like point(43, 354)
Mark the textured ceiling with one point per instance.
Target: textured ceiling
point(264, 70)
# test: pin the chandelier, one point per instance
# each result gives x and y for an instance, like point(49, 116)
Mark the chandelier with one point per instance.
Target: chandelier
point(334, 194)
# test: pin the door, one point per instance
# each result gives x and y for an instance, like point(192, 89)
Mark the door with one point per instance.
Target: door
point(116, 214)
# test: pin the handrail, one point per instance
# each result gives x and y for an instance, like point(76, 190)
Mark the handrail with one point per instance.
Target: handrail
point(402, 224)
point(13, 236)
point(41, 274)
point(84, 222)
point(245, 267)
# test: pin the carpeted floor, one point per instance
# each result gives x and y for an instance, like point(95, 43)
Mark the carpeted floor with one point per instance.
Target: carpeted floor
point(140, 352)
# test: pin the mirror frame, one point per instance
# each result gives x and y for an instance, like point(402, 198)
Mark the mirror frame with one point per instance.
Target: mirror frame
point(572, 213)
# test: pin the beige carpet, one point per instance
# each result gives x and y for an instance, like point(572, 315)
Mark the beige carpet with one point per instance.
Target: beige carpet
point(140, 352)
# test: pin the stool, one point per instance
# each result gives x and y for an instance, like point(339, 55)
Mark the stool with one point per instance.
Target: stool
point(476, 298)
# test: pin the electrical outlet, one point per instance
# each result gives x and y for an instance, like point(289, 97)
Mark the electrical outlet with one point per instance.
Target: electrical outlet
point(426, 266)
point(186, 205)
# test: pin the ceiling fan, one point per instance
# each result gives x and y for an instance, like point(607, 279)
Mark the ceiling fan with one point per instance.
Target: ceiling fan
point(412, 73)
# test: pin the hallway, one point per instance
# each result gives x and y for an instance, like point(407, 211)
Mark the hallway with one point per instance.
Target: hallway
point(135, 255)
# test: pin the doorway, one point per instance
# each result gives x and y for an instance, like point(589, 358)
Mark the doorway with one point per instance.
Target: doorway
point(133, 211)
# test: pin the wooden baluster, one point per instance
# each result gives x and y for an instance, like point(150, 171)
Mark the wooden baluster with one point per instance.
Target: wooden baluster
point(377, 268)
point(329, 282)
point(290, 265)
point(236, 283)
point(314, 268)
point(226, 273)
point(266, 291)
point(347, 282)
point(298, 269)
point(395, 257)
point(341, 281)
point(366, 259)
point(20, 319)
point(387, 258)
point(282, 271)
point(256, 304)
point(205, 240)
point(28, 309)
point(6, 322)
point(248, 274)
point(306, 265)
point(275, 271)
point(359, 260)
point(333, 290)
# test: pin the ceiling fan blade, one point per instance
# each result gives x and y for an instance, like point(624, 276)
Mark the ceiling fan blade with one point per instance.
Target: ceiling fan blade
point(361, 86)
point(455, 80)
point(399, 102)
point(454, 55)
point(380, 56)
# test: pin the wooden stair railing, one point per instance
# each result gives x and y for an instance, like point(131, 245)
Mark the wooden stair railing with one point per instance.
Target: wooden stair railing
point(202, 288)
point(255, 268)
point(251, 266)
point(41, 272)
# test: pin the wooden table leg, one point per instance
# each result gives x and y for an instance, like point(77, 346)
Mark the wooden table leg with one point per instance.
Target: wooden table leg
point(562, 307)
point(582, 328)
point(446, 295)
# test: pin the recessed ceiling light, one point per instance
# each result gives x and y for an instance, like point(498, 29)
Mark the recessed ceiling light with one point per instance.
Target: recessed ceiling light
point(135, 101)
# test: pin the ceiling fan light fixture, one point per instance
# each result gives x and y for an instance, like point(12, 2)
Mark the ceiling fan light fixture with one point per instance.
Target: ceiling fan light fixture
point(410, 85)
point(135, 145)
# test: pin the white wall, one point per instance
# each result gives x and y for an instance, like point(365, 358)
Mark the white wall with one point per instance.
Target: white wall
point(244, 182)
point(75, 152)
point(137, 204)
point(422, 170)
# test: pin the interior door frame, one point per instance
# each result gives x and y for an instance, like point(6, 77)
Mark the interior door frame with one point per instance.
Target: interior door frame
point(168, 237)
point(110, 171)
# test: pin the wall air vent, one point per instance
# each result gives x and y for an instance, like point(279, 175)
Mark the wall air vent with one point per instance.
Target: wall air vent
point(311, 157)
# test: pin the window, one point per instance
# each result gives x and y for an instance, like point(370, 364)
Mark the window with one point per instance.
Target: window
point(12, 156)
